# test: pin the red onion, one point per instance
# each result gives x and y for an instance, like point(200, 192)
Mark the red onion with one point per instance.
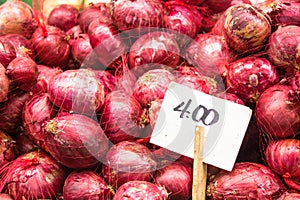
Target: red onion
point(230, 97)
point(75, 140)
point(98, 11)
point(249, 77)
point(22, 45)
point(278, 112)
point(128, 161)
point(283, 157)
point(140, 190)
point(36, 112)
point(121, 117)
point(63, 16)
point(197, 81)
point(284, 48)
point(107, 80)
point(16, 17)
point(11, 112)
point(86, 185)
point(155, 47)
point(246, 29)
point(51, 46)
point(23, 72)
point(24, 144)
point(152, 85)
point(8, 149)
point(34, 175)
point(153, 111)
point(246, 181)
point(74, 32)
point(177, 179)
point(7, 52)
point(290, 196)
point(4, 196)
point(44, 76)
point(106, 41)
point(137, 16)
point(210, 54)
point(77, 91)
point(218, 5)
point(4, 83)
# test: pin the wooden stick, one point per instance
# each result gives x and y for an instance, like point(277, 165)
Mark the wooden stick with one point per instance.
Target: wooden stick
point(199, 168)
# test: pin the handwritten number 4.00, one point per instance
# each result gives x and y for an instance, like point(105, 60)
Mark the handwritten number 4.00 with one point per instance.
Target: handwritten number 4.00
point(199, 114)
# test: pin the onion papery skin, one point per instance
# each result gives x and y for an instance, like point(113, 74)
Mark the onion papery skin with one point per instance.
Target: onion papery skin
point(283, 157)
point(137, 16)
point(23, 72)
point(63, 16)
point(230, 97)
point(107, 80)
point(24, 144)
point(36, 112)
point(16, 17)
point(121, 117)
point(7, 52)
point(86, 184)
point(45, 74)
point(176, 178)
point(51, 46)
point(22, 45)
point(290, 196)
point(277, 114)
point(249, 77)
point(155, 47)
point(210, 54)
point(128, 161)
point(76, 141)
point(78, 91)
point(245, 28)
point(218, 5)
point(4, 83)
point(152, 85)
point(34, 175)
point(99, 11)
point(8, 149)
point(247, 180)
point(284, 48)
point(11, 112)
point(133, 190)
point(106, 42)
point(153, 111)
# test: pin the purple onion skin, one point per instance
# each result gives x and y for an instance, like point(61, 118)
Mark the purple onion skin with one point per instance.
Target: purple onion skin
point(133, 190)
point(290, 196)
point(8, 149)
point(210, 54)
point(11, 112)
point(23, 72)
point(7, 52)
point(128, 161)
point(78, 91)
point(155, 47)
point(74, 32)
point(121, 117)
point(98, 11)
point(283, 157)
point(277, 112)
point(63, 16)
point(247, 180)
point(176, 178)
point(153, 111)
point(75, 141)
point(51, 46)
point(230, 97)
point(246, 29)
point(16, 17)
point(45, 74)
point(86, 184)
point(138, 15)
point(152, 85)
point(218, 5)
point(4, 83)
point(284, 45)
point(106, 42)
point(34, 175)
point(22, 45)
point(107, 80)
point(24, 144)
point(249, 77)
point(193, 2)
point(286, 12)
point(36, 112)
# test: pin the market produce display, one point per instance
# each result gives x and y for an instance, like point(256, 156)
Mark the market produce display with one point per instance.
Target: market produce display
point(82, 83)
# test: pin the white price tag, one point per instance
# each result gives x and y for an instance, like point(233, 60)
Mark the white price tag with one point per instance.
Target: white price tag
point(225, 124)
